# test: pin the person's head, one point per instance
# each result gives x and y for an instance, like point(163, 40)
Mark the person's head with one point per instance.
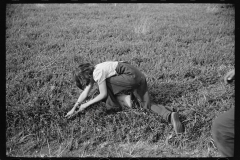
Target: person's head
point(83, 75)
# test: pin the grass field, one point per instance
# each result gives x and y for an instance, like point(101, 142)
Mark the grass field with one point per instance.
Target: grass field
point(183, 49)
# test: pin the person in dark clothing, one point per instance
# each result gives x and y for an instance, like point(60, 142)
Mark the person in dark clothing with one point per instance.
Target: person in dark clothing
point(114, 77)
point(223, 126)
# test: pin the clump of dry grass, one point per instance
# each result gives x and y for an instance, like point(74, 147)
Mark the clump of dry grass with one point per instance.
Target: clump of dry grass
point(143, 26)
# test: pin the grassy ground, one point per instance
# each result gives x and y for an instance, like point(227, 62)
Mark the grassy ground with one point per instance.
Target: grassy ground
point(183, 49)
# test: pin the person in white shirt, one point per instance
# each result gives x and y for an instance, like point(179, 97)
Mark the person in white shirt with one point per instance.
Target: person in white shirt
point(114, 77)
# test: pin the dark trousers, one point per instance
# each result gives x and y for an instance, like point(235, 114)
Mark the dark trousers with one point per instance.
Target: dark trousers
point(223, 133)
point(129, 78)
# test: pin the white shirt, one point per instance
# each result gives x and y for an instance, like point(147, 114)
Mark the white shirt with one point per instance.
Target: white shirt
point(104, 70)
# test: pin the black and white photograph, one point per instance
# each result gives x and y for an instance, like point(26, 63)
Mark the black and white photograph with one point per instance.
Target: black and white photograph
point(120, 80)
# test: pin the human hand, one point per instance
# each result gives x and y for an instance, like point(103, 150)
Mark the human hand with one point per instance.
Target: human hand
point(229, 76)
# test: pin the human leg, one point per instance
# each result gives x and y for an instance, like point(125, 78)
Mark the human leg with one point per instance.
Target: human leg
point(168, 116)
point(162, 111)
point(130, 78)
point(141, 93)
point(127, 79)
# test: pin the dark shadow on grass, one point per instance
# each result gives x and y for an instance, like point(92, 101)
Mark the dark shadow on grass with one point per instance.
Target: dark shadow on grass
point(165, 93)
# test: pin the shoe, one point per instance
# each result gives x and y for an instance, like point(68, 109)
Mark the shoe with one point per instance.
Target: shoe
point(177, 125)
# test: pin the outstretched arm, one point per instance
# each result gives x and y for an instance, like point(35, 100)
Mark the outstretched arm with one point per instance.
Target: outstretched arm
point(83, 95)
point(102, 95)
point(81, 98)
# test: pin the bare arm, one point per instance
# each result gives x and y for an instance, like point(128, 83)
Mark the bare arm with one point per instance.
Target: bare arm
point(81, 98)
point(102, 95)
point(83, 95)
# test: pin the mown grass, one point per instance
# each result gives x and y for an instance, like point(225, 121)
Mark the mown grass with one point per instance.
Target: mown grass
point(183, 49)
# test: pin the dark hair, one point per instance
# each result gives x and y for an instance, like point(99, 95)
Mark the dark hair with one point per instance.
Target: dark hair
point(83, 75)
